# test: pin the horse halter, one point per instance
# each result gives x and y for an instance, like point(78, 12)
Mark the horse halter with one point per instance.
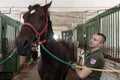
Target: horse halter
point(36, 32)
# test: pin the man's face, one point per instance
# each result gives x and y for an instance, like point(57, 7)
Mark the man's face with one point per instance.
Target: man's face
point(96, 41)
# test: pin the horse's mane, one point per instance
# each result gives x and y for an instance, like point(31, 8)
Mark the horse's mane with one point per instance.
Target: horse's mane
point(50, 32)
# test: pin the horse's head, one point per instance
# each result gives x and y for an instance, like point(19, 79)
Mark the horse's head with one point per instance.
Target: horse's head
point(35, 24)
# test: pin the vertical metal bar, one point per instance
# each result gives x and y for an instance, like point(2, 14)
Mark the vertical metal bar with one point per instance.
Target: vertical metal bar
point(106, 25)
point(0, 33)
point(118, 33)
point(116, 21)
point(103, 27)
point(113, 36)
point(108, 40)
point(110, 35)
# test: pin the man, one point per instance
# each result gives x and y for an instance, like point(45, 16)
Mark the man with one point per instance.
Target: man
point(95, 59)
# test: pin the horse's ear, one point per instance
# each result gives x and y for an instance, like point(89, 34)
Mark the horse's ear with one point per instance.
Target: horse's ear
point(47, 6)
point(29, 7)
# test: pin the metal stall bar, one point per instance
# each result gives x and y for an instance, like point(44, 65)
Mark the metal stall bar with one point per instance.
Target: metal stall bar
point(117, 30)
point(118, 35)
point(111, 31)
point(111, 24)
point(9, 32)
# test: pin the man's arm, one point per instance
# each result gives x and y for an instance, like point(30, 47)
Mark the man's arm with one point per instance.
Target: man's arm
point(85, 72)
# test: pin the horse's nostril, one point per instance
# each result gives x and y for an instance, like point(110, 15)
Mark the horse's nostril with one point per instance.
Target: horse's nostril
point(25, 44)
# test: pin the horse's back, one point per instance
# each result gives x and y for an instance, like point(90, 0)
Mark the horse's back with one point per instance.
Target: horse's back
point(65, 48)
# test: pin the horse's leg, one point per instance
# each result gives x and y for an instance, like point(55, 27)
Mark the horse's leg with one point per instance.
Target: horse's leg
point(40, 66)
point(64, 76)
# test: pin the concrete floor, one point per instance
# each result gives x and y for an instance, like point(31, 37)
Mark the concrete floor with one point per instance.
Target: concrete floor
point(30, 73)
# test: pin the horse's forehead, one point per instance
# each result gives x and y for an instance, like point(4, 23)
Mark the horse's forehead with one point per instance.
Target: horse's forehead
point(36, 8)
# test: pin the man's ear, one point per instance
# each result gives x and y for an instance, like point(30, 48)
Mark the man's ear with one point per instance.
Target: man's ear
point(47, 6)
point(101, 44)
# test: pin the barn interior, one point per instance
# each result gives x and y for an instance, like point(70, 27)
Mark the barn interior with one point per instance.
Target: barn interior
point(65, 15)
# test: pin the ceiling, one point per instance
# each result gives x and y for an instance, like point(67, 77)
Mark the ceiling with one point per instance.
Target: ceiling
point(69, 19)
point(64, 13)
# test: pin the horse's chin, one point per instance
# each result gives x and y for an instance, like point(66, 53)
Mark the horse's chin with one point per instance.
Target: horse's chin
point(21, 54)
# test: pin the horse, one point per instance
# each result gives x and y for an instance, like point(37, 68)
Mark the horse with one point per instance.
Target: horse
point(37, 29)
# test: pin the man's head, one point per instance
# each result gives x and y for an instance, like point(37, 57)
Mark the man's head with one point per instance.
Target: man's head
point(97, 41)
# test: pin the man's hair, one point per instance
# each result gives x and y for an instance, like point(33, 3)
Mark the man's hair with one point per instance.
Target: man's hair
point(104, 37)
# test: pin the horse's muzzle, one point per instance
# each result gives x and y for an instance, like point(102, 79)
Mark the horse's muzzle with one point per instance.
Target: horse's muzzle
point(23, 46)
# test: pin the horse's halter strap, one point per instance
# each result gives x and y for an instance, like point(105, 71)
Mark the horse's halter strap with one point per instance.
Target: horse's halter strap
point(38, 33)
point(33, 28)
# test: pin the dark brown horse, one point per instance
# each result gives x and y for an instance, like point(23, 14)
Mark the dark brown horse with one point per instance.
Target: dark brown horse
point(37, 27)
